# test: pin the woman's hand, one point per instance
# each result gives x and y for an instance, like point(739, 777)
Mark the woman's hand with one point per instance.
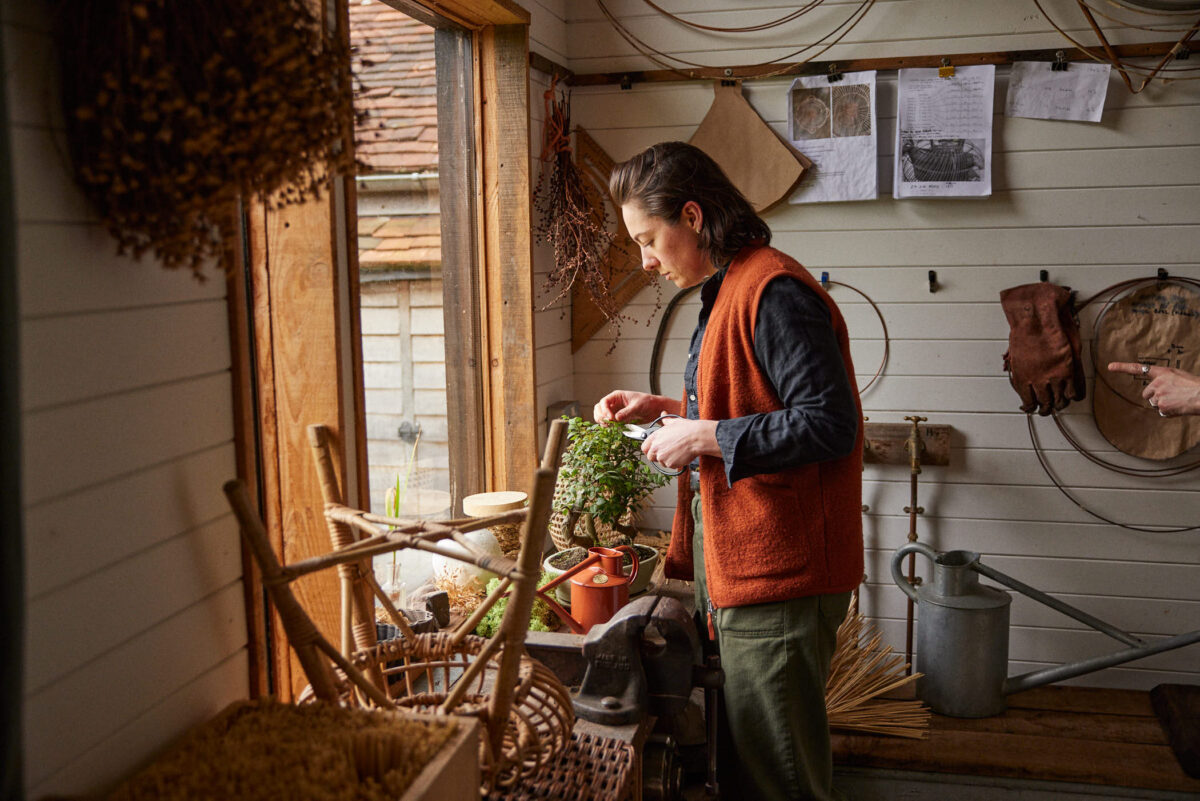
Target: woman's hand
point(1171, 390)
point(680, 441)
point(626, 406)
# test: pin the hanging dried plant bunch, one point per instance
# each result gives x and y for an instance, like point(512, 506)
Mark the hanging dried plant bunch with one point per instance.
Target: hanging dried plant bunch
point(568, 221)
point(175, 110)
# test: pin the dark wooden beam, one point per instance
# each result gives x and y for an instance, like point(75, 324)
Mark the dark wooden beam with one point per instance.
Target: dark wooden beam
point(745, 72)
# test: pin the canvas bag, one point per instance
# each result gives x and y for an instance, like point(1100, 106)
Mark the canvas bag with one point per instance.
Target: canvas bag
point(1158, 324)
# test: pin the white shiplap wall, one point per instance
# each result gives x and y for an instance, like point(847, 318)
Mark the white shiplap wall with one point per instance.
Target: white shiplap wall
point(1091, 203)
point(135, 618)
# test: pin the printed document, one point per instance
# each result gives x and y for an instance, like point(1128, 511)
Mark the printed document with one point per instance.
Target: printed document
point(834, 125)
point(944, 133)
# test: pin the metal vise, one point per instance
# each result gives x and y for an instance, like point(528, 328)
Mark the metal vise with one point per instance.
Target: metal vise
point(642, 661)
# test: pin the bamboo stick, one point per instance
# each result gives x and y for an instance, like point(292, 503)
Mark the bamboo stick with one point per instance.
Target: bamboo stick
point(499, 565)
point(358, 608)
point(395, 615)
point(520, 603)
point(301, 632)
point(458, 524)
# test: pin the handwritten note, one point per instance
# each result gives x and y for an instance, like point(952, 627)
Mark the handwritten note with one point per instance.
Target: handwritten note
point(1076, 93)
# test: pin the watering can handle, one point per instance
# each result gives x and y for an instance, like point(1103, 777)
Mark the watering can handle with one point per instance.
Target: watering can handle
point(633, 571)
point(898, 574)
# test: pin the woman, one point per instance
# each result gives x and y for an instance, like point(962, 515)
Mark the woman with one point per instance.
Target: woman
point(769, 519)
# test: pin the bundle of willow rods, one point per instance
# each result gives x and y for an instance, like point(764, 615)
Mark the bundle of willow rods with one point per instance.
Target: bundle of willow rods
point(862, 672)
point(174, 111)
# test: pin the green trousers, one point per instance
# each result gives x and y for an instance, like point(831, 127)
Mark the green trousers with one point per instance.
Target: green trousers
point(776, 660)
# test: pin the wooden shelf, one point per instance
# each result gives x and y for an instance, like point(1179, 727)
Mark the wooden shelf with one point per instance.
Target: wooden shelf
point(1070, 734)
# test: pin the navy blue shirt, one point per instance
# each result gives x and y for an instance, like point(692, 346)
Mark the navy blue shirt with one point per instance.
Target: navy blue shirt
point(796, 348)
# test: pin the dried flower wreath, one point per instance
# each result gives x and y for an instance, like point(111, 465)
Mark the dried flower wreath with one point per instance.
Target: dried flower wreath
point(175, 110)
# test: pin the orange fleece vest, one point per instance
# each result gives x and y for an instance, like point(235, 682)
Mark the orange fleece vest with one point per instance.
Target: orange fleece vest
point(773, 536)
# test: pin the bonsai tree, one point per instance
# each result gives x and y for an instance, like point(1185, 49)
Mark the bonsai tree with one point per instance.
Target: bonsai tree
point(603, 478)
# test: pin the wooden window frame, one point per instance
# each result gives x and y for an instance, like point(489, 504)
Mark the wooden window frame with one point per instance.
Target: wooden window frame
point(294, 314)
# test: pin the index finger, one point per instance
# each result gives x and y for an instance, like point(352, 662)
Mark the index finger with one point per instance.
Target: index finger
point(1130, 368)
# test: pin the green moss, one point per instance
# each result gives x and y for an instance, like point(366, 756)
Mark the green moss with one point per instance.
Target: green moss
point(539, 620)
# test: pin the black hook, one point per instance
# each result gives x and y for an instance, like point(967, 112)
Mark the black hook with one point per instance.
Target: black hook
point(834, 74)
point(1043, 275)
point(1162, 274)
point(933, 284)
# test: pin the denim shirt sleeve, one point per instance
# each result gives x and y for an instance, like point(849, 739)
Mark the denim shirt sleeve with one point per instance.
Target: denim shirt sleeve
point(798, 351)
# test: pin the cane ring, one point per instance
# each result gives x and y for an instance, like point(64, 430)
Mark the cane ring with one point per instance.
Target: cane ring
point(1145, 369)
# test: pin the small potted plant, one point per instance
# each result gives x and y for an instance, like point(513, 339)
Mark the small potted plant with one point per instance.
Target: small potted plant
point(601, 484)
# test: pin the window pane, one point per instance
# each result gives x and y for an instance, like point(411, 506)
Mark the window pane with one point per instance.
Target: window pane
point(400, 263)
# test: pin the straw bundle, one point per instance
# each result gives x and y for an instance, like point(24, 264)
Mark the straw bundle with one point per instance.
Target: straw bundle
point(861, 672)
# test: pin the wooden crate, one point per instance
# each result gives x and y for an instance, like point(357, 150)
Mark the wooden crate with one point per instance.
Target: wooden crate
point(453, 775)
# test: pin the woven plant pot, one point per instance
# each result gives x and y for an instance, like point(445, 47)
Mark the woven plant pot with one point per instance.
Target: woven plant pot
point(606, 534)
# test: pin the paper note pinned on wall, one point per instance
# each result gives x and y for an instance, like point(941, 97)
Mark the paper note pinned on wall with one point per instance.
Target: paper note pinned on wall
point(944, 132)
point(1038, 91)
point(835, 124)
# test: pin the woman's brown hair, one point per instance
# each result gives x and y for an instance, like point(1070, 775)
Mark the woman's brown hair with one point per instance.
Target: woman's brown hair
point(664, 177)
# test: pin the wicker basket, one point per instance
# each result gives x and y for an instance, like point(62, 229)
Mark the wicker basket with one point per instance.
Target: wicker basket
point(420, 674)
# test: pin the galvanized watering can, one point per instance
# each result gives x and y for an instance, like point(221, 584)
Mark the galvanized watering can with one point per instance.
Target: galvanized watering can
point(962, 636)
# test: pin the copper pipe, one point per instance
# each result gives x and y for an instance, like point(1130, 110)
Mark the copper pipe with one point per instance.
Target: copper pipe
point(914, 445)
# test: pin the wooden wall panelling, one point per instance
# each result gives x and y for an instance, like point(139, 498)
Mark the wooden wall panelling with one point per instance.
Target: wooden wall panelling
point(301, 382)
point(132, 680)
point(503, 53)
point(1092, 204)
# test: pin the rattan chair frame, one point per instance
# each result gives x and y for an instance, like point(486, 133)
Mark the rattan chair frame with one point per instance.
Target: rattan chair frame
point(525, 708)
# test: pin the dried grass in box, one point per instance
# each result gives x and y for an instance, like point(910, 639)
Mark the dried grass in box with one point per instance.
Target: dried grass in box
point(266, 750)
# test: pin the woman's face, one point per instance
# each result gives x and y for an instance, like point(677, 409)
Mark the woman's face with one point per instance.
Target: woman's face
point(670, 249)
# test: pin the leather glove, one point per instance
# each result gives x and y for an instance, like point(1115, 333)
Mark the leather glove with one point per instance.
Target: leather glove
point(1043, 358)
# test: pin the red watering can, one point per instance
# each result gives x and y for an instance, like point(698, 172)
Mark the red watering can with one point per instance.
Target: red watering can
point(598, 588)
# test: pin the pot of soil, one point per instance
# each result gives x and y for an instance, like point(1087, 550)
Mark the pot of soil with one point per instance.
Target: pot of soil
point(561, 561)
